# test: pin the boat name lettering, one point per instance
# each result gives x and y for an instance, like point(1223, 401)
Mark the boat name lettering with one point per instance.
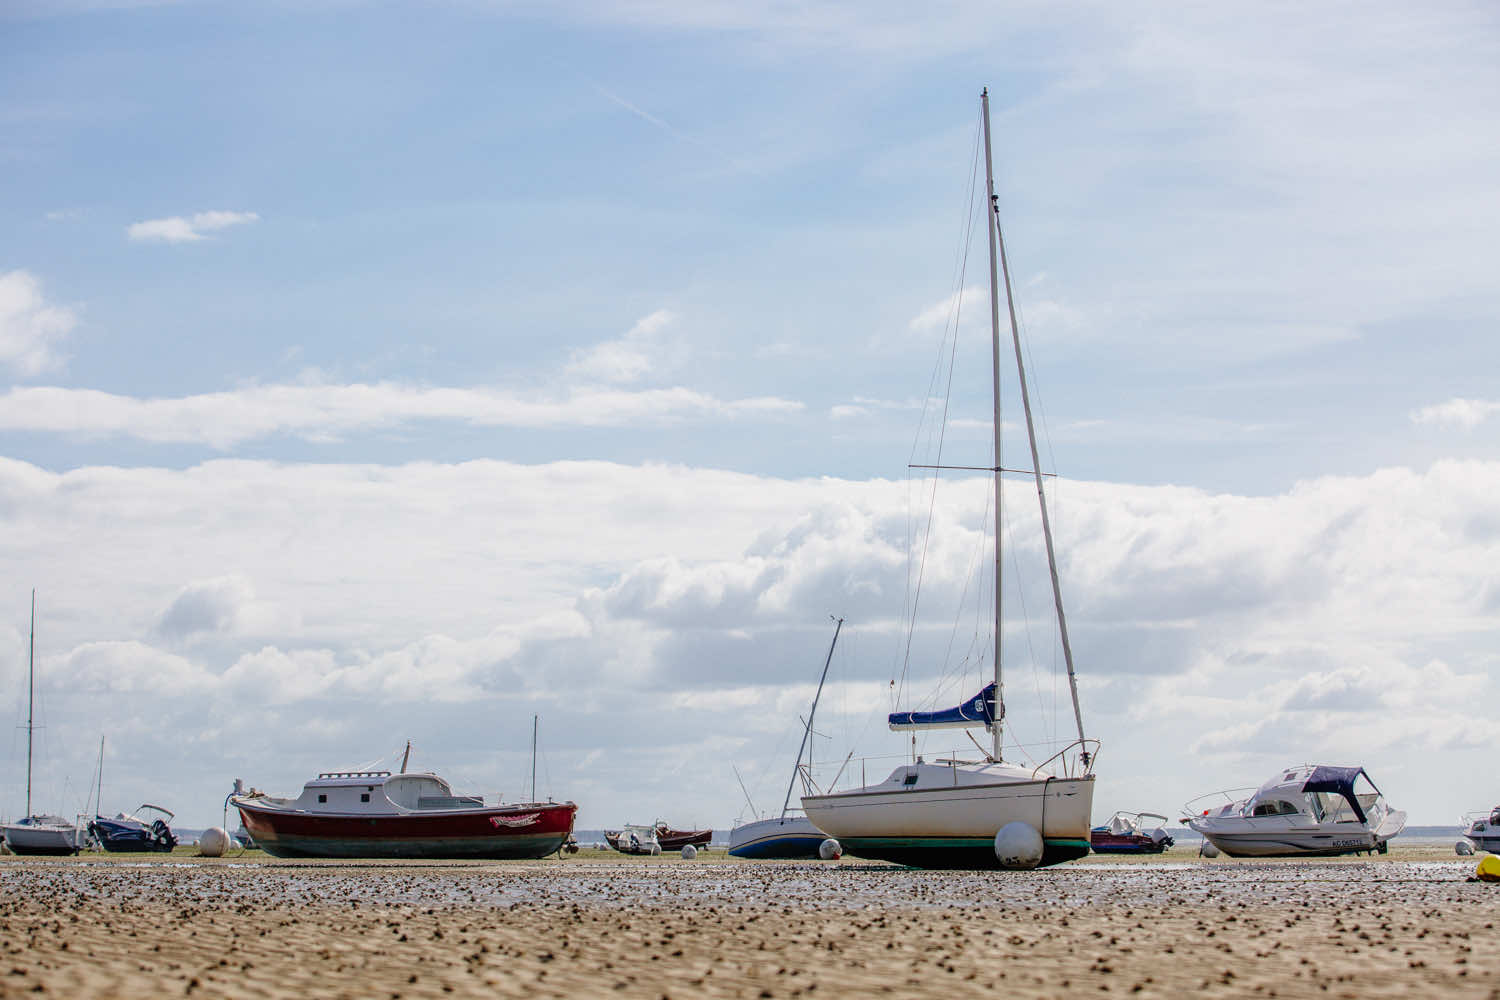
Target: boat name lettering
point(526, 820)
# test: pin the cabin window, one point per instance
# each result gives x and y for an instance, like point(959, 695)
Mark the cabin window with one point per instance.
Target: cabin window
point(911, 779)
point(322, 798)
point(364, 796)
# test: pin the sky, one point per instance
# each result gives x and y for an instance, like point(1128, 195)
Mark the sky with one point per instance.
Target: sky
point(405, 372)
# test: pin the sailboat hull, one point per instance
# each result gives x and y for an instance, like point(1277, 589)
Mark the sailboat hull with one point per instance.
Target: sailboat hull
point(38, 839)
point(783, 838)
point(955, 826)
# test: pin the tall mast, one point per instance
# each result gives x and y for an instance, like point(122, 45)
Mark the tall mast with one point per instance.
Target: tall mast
point(30, 697)
point(989, 182)
point(99, 788)
point(406, 756)
point(534, 719)
point(1036, 464)
point(806, 732)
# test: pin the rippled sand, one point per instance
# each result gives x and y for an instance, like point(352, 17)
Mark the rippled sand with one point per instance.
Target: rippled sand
point(602, 925)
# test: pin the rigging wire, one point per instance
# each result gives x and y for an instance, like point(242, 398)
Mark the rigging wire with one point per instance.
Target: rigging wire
point(952, 350)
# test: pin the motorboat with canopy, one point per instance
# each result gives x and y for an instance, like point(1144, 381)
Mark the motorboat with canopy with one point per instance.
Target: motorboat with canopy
point(132, 832)
point(1131, 833)
point(1482, 829)
point(949, 813)
point(1306, 810)
point(633, 838)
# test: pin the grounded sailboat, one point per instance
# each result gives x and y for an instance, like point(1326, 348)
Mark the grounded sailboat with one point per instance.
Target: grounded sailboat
point(786, 836)
point(951, 813)
point(38, 834)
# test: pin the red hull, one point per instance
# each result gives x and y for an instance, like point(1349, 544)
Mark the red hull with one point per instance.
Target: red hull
point(676, 840)
point(533, 830)
point(1126, 843)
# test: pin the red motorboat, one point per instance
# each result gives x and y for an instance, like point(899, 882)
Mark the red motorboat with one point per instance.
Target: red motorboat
point(676, 840)
point(1126, 833)
point(377, 814)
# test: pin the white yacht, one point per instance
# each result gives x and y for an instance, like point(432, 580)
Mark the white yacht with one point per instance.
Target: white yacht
point(947, 813)
point(1306, 810)
point(1483, 830)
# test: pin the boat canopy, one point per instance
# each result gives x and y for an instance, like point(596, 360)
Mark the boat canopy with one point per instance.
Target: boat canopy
point(1339, 781)
point(977, 711)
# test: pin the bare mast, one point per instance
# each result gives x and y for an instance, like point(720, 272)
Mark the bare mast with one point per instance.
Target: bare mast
point(807, 730)
point(30, 697)
point(996, 235)
point(534, 719)
point(989, 182)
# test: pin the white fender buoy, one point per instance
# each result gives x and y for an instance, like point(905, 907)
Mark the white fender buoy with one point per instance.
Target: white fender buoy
point(213, 842)
point(1463, 849)
point(830, 850)
point(1208, 850)
point(689, 852)
point(1019, 846)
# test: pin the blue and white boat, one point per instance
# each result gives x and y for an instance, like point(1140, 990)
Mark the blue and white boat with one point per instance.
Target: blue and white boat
point(131, 833)
point(787, 836)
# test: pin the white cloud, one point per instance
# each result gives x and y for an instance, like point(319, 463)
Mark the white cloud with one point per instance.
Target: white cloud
point(628, 359)
point(1349, 618)
point(31, 329)
point(326, 412)
point(1465, 414)
point(187, 229)
point(965, 304)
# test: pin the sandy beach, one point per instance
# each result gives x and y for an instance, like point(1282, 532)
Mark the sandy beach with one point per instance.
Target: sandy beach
point(598, 924)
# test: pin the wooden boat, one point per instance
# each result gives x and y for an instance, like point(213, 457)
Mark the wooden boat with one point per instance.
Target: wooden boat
point(676, 840)
point(377, 814)
point(1126, 833)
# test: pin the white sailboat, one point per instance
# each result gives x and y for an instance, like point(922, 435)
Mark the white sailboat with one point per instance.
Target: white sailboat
point(948, 813)
point(786, 836)
point(38, 834)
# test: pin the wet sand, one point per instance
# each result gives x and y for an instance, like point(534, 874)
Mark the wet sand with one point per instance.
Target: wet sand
point(597, 925)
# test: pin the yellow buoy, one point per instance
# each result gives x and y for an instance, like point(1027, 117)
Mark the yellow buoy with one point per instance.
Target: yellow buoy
point(1489, 868)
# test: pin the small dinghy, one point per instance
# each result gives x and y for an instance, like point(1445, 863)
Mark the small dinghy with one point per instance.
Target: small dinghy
point(1128, 833)
point(634, 839)
point(130, 832)
point(1310, 810)
point(1483, 830)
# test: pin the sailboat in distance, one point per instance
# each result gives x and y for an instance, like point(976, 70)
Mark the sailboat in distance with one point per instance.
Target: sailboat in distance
point(787, 836)
point(986, 813)
point(33, 834)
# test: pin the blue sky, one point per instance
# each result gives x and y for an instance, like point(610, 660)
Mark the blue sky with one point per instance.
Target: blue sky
point(478, 359)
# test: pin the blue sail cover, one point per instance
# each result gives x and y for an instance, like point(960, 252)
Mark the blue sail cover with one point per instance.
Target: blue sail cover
point(1339, 781)
point(977, 711)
